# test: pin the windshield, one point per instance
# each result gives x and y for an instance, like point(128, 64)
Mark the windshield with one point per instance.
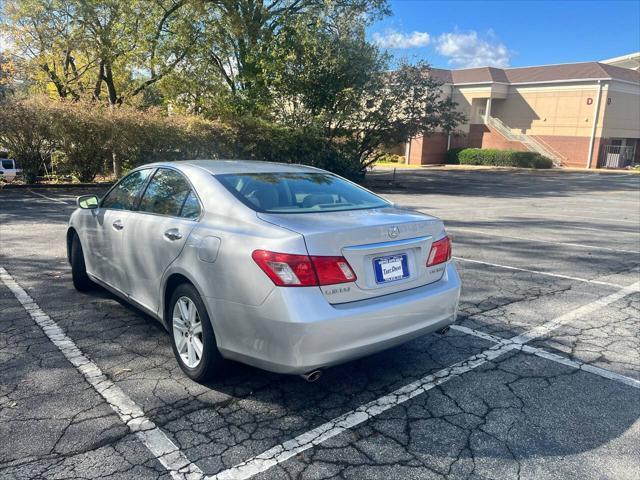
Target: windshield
point(294, 192)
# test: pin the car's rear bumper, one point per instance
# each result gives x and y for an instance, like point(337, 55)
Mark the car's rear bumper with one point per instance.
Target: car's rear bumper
point(295, 330)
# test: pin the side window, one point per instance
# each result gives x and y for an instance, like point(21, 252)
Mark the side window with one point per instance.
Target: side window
point(7, 164)
point(191, 207)
point(124, 194)
point(168, 193)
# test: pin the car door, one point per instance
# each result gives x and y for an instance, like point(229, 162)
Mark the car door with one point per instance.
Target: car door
point(167, 213)
point(103, 233)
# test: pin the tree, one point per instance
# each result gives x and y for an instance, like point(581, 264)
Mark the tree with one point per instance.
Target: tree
point(101, 48)
point(238, 36)
point(334, 80)
point(7, 76)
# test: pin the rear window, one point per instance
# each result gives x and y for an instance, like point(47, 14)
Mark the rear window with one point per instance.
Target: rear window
point(294, 192)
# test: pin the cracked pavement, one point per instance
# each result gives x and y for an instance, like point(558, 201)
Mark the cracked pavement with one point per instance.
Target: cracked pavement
point(514, 415)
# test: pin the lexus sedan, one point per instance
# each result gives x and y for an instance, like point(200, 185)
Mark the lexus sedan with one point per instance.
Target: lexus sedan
point(284, 267)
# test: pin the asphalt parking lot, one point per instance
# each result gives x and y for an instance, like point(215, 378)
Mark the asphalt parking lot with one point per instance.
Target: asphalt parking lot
point(540, 377)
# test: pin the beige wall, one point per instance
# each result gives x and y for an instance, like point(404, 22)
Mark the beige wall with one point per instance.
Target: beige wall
point(622, 112)
point(562, 109)
point(551, 110)
point(464, 97)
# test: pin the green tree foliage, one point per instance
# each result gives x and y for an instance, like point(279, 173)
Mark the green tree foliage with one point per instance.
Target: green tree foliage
point(283, 80)
point(102, 48)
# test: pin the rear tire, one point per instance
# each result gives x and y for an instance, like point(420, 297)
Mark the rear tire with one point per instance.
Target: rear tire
point(192, 338)
point(81, 280)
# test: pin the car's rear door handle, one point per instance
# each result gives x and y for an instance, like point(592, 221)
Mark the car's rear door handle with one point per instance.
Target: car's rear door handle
point(118, 225)
point(173, 234)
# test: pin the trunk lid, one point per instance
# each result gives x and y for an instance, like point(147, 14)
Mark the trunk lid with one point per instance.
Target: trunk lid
point(387, 248)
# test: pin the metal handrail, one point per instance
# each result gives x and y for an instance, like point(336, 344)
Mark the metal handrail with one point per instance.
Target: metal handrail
point(532, 144)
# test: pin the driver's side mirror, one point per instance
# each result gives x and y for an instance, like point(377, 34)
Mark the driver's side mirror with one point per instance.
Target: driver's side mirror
point(87, 201)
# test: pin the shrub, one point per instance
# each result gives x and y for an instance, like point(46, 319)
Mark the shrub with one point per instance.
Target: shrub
point(451, 157)
point(83, 135)
point(391, 158)
point(85, 139)
point(503, 158)
point(25, 129)
point(262, 140)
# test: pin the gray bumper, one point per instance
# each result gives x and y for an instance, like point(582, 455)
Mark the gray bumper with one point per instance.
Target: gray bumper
point(295, 330)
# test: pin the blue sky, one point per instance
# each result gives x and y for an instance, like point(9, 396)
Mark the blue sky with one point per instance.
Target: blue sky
point(457, 34)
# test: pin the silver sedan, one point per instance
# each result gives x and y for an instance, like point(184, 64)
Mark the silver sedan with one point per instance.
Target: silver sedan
point(285, 267)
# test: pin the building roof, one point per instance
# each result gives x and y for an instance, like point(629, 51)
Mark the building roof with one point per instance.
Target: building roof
point(542, 74)
point(631, 60)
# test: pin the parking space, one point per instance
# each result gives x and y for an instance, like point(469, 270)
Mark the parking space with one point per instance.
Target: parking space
point(540, 378)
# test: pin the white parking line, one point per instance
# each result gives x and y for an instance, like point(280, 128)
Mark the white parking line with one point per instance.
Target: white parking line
point(573, 315)
point(602, 372)
point(56, 200)
point(307, 440)
point(293, 447)
point(162, 448)
point(537, 240)
point(538, 272)
point(612, 232)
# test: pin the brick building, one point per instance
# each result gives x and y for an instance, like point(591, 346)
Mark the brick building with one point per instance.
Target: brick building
point(580, 114)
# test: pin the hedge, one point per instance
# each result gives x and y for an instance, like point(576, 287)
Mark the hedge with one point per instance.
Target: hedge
point(503, 158)
point(83, 139)
point(451, 157)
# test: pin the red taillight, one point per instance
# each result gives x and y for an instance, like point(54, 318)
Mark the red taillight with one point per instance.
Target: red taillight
point(288, 270)
point(440, 252)
point(332, 270)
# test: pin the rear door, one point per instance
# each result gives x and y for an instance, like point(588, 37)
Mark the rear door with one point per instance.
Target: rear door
point(387, 248)
point(159, 228)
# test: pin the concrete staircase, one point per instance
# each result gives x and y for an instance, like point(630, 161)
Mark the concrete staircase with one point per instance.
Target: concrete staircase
point(531, 144)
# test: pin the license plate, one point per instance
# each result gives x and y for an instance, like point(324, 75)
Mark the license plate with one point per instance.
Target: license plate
point(391, 268)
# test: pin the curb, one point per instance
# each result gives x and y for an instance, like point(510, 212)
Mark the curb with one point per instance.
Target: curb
point(43, 186)
point(487, 168)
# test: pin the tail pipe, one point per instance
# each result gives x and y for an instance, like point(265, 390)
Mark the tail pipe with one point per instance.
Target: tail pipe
point(312, 376)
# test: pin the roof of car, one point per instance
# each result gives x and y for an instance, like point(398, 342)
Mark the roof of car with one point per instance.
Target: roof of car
point(241, 166)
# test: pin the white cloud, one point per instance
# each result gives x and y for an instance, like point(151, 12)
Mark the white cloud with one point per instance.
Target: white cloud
point(469, 50)
point(394, 39)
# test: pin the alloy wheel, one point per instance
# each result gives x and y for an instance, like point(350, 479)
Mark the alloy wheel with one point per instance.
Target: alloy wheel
point(187, 332)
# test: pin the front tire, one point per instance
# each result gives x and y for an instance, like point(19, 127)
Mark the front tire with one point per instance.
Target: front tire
point(192, 337)
point(81, 280)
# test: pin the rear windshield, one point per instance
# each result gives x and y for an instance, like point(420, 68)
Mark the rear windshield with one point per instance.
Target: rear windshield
point(293, 192)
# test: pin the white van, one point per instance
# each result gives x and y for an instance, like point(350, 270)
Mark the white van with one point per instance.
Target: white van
point(8, 170)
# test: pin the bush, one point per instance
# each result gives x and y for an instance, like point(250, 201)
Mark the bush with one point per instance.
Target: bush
point(391, 158)
point(261, 140)
point(451, 157)
point(85, 139)
point(25, 129)
point(503, 158)
point(83, 135)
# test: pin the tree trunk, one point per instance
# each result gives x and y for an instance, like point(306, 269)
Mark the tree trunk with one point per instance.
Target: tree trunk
point(111, 87)
point(117, 165)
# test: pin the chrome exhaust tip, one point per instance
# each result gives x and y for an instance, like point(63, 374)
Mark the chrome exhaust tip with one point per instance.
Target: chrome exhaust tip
point(312, 376)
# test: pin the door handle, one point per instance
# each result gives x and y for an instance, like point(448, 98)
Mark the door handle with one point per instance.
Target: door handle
point(173, 234)
point(118, 225)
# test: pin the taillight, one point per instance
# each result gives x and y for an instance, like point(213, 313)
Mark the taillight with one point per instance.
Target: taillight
point(440, 252)
point(332, 270)
point(288, 270)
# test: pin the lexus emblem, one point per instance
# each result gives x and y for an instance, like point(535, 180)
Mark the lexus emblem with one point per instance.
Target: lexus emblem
point(394, 232)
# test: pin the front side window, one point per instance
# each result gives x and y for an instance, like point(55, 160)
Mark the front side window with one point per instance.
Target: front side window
point(125, 194)
point(293, 192)
point(169, 193)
